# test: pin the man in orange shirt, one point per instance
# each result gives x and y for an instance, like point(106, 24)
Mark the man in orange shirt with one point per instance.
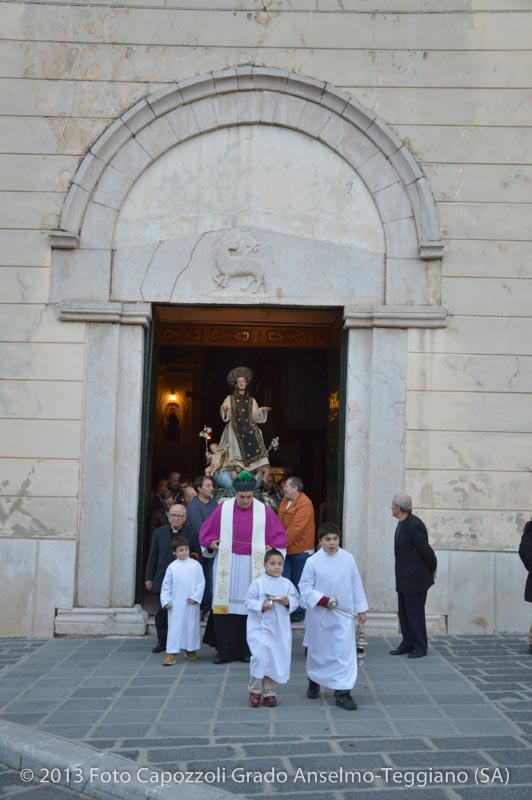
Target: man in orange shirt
point(296, 513)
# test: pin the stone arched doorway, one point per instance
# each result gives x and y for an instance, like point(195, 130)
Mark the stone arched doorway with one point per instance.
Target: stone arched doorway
point(372, 247)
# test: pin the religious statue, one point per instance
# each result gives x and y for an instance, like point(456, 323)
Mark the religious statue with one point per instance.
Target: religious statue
point(214, 459)
point(242, 438)
point(173, 426)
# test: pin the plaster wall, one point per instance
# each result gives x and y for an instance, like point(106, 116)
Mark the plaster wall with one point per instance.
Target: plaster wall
point(455, 86)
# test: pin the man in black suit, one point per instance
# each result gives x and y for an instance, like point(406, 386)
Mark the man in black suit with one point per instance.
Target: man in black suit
point(160, 558)
point(525, 553)
point(415, 569)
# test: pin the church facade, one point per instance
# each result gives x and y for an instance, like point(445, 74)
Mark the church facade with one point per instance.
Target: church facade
point(294, 157)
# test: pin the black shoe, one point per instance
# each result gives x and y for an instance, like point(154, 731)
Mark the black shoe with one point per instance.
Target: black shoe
point(344, 700)
point(313, 691)
point(530, 649)
point(159, 648)
point(219, 660)
point(416, 655)
point(244, 659)
point(399, 651)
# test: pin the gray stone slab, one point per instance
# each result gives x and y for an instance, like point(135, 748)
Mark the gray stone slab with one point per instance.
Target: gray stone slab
point(91, 704)
point(414, 712)
point(385, 745)
point(450, 759)
point(171, 716)
point(495, 793)
point(301, 728)
point(118, 731)
point(165, 730)
point(485, 727)
point(369, 728)
point(121, 716)
point(242, 728)
point(404, 699)
point(472, 712)
point(460, 699)
point(24, 719)
point(429, 727)
point(44, 693)
point(478, 743)
point(509, 757)
point(77, 717)
point(217, 753)
point(74, 732)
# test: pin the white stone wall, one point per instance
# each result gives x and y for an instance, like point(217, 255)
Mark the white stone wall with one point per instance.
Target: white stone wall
point(454, 80)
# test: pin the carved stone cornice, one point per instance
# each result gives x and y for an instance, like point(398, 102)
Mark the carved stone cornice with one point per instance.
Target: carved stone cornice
point(395, 317)
point(120, 313)
point(430, 251)
point(63, 240)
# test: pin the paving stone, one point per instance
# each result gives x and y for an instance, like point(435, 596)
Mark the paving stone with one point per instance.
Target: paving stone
point(119, 730)
point(165, 731)
point(419, 727)
point(73, 717)
point(478, 742)
point(459, 699)
point(484, 727)
point(493, 793)
point(384, 745)
point(415, 712)
point(450, 759)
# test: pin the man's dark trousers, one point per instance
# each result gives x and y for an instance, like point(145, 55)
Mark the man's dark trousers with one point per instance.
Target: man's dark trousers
point(412, 621)
point(161, 622)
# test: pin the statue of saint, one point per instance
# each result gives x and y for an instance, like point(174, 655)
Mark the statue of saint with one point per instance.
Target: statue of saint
point(242, 437)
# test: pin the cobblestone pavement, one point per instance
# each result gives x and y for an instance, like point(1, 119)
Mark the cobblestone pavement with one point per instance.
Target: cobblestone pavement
point(457, 724)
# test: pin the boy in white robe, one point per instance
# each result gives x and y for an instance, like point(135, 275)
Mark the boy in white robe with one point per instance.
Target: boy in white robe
point(332, 592)
point(181, 594)
point(269, 633)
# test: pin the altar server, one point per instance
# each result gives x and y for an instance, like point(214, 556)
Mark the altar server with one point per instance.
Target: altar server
point(181, 594)
point(332, 592)
point(269, 602)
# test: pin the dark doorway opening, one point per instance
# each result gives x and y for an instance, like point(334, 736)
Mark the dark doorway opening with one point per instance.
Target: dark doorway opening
point(296, 359)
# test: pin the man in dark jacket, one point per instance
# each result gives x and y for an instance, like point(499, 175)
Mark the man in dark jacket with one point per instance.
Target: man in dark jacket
point(415, 569)
point(525, 553)
point(198, 510)
point(159, 560)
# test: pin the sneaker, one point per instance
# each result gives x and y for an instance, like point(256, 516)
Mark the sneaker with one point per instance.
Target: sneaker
point(191, 655)
point(270, 701)
point(313, 691)
point(344, 700)
point(169, 660)
point(254, 700)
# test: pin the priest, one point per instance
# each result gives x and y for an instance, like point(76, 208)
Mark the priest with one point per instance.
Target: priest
point(237, 535)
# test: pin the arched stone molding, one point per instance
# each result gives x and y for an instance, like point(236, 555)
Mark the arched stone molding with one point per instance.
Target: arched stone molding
point(376, 383)
point(245, 96)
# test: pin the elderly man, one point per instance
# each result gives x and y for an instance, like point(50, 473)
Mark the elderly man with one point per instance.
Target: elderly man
point(296, 513)
point(159, 558)
point(238, 533)
point(415, 570)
